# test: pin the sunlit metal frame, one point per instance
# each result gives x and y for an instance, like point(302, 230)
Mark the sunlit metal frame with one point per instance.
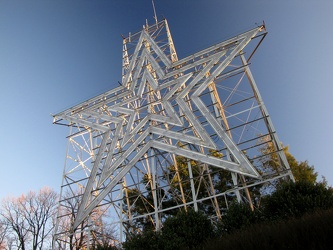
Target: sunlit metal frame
point(205, 108)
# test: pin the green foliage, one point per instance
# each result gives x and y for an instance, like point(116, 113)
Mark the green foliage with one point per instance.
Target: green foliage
point(302, 216)
point(148, 240)
point(190, 230)
point(186, 230)
point(142, 206)
point(206, 179)
point(301, 170)
point(312, 231)
point(289, 200)
point(300, 212)
point(238, 216)
point(105, 247)
point(295, 199)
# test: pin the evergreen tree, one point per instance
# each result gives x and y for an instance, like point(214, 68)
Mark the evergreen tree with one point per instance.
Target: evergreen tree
point(295, 199)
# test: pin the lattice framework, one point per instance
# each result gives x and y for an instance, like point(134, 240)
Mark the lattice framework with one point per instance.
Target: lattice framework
point(163, 139)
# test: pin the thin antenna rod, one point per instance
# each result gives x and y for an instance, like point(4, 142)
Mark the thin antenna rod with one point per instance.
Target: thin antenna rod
point(155, 17)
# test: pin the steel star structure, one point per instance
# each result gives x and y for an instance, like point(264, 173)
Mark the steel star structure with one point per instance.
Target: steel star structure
point(175, 134)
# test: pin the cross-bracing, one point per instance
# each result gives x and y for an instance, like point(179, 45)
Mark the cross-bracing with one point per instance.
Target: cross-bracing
point(176, 134)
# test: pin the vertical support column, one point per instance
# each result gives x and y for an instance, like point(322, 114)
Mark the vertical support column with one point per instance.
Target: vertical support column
point(194, 195)
point(56, 228)
point(129, 213)
point(179, 181)
point(235, 181)
point(219, 111)
point(212, 193)
point(276, 142)
point(154, 187)
point(88, 233)
point(173, 53)
point(125, 59)
point(121, 213)
point(247, 192)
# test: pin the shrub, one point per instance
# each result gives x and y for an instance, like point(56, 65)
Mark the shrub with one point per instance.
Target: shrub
point(148, 240)
point(311, 231)
point(238, 216)
point(295, 199)
point(105, 247)
point(186, 230)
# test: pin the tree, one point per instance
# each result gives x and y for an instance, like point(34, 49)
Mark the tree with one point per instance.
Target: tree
point(186, 230)
point(3, 234)
point(104, 247)
point(95, 229)
point(11, 213)
point(295, 199)
point(147, 240)
point(29, 217)
point(38, 211)
point(238, 216)
point(301, 170)
point(104, 234)
point(207, 180)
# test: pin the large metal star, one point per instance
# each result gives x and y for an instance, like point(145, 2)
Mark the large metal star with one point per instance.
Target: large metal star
point(152, 110)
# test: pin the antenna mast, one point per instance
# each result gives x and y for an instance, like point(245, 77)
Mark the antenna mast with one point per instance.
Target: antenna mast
point(155, 17)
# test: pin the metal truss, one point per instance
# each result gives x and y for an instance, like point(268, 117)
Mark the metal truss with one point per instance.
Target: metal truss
point(177, 133)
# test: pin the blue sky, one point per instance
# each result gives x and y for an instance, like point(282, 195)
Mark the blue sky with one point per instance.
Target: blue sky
point(54, 54)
